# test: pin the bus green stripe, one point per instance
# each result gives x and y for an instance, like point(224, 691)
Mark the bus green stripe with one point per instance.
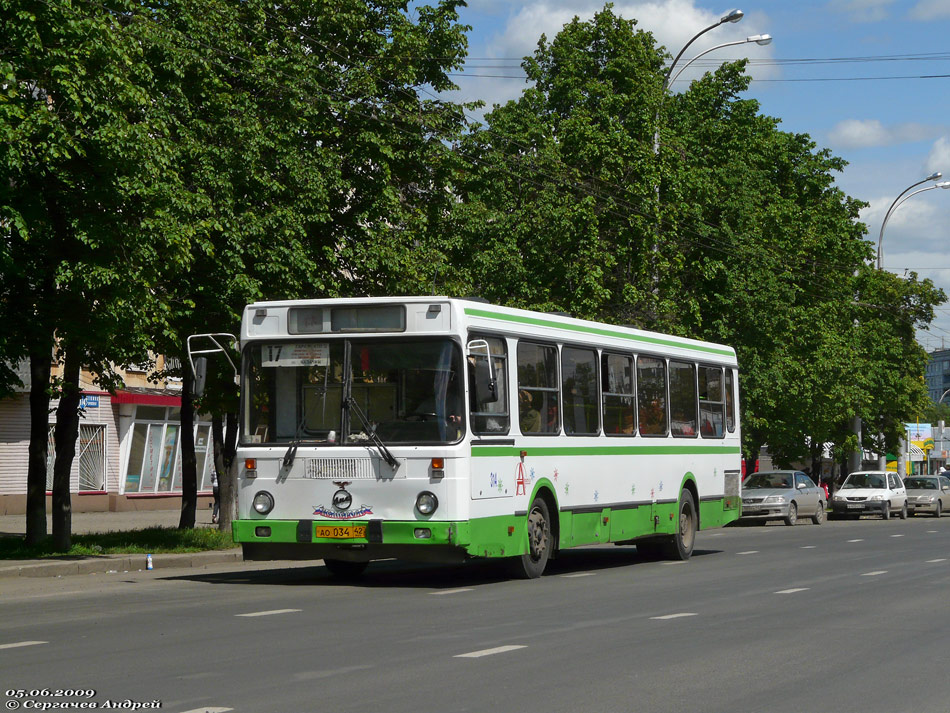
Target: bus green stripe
point(494, 451)
point(473, 312)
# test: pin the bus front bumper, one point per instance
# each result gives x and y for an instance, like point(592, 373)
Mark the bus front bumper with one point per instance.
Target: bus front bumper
point(352, 540)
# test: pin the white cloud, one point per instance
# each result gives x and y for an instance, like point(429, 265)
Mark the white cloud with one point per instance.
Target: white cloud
point(862, 133)
point(862, 10)
point(930, 10)
point(672, 22)
point(939, 157)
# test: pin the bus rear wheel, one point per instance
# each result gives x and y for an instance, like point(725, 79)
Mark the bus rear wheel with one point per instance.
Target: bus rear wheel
point(531, 564)
point(345, 569)
point(681, 546)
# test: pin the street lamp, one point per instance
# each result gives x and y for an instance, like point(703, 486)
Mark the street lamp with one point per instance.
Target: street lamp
point(758, 39)
point(732, 16)
point(896, 204)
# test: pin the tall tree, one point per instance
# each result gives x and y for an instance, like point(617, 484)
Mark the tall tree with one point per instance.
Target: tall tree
point(311, 153)
point(86, 187)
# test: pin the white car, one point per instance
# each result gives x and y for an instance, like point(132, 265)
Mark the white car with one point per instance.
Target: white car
point(870, 492)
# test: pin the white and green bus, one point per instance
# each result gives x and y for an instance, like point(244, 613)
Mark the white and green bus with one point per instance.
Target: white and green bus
point(439, 429)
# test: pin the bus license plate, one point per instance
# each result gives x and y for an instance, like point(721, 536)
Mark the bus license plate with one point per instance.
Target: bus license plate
point(341, 532)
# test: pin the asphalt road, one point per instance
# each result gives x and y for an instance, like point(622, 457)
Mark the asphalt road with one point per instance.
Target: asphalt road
point(848, 616)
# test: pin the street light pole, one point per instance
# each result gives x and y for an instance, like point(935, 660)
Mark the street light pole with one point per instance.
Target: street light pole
point(758, 39)
point(733, 16)
point(936, 175)
point(898, 202)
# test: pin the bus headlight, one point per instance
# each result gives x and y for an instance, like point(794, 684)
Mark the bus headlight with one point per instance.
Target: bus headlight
point(426, 502)
point(263, 502)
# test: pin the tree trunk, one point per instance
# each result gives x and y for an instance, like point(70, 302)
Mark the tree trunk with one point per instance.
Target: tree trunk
point(40, 369)
point(225, 465)
point(189, 464)
point(65, 436)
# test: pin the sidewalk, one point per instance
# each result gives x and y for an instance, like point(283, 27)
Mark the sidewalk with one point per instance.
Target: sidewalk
point(88, 522)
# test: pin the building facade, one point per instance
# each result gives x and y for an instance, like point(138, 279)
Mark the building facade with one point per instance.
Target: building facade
point(938, 374)
point(128, 454)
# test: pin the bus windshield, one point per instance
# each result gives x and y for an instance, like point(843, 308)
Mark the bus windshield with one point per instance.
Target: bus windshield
point(410, 391)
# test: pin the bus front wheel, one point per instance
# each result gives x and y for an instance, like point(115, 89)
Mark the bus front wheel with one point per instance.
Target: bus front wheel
point(681, 546)
point(531, 564)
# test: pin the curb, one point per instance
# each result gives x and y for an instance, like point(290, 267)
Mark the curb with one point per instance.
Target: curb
point(117, 563)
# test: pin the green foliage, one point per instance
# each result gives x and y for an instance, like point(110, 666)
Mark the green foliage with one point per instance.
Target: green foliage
point(733, 232)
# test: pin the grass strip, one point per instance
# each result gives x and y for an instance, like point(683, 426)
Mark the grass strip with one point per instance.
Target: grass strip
point(154, 540)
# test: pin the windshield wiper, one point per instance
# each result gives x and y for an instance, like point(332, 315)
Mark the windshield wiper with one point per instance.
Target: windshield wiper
point(371, 432)
point(292, 449)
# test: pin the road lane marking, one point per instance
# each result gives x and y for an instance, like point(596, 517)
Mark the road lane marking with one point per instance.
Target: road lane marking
point(855, 540)
point(896, 535)
point(676, 562)
point(748, 552)
point(18, 644)
point(809, 547)
point(675, 616)
point(792, 591)
point(581, 574)
point(490, 652)
point(269, 613)
point(875, 573)
point(942, 559)
point(932, 531)
point(209, 709)
point(452, 591)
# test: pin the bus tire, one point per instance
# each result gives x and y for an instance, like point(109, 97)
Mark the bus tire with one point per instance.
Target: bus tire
point(681, 546)
point(531, 564)
point(345, 569)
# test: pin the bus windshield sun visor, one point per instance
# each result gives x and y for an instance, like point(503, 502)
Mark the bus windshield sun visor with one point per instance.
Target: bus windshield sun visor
point(371, 432)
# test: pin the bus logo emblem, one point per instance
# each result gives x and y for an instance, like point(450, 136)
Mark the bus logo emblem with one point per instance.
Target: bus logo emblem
point(342, 500)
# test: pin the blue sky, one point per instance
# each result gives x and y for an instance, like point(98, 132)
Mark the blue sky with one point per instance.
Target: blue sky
point(893, 132)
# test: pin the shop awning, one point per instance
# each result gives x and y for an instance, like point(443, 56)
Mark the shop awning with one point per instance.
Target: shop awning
point(147, 397)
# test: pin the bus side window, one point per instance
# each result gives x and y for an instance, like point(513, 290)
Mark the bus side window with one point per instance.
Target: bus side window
point(683, 399)
point(730, 401)
point(616, 378)
point(651, 396)
point(492, 417)
point(538, 388)
point(579, 391)
point(710, 402)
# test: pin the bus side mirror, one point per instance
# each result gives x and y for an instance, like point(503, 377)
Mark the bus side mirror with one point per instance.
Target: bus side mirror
point(201, 375)
point(486, 386)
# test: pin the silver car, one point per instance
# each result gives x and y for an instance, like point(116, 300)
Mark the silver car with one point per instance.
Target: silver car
point(782, 495)
point(927, 493)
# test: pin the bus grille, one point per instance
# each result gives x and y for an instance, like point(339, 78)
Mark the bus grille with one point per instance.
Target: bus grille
point(341, 468)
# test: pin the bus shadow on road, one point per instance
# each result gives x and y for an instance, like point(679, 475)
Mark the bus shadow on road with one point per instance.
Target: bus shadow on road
point(412, 575)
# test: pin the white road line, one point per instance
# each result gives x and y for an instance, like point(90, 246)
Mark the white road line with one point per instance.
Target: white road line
point(268, 613)
point(931, 532)
point(942, 559)
point(581, 574)
point(672, 563)
point(896, 535)
point(209, 709)
point(22, 643)
point(792, 591)
point(855, 540)
point(452, 591)
point(489, 652)
point(675, 616)
point(748, 552)
point(875, 573)
point(809, 547)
